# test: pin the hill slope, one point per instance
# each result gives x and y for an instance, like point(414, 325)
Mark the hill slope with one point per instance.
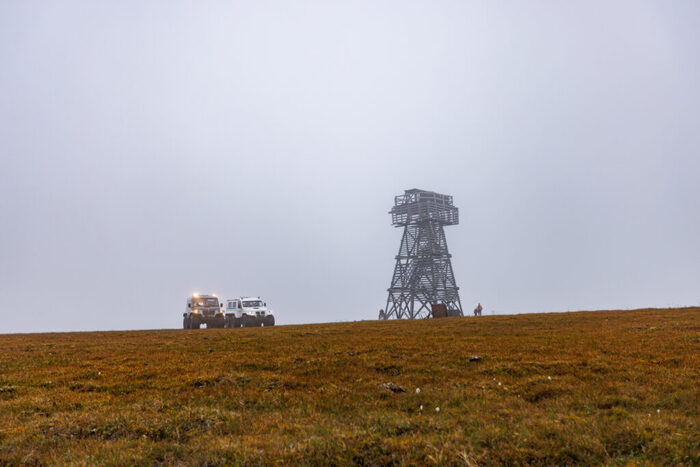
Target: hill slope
point(584, 387)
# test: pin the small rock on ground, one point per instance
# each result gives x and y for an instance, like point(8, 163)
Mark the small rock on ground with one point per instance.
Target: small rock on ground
point(393, 387)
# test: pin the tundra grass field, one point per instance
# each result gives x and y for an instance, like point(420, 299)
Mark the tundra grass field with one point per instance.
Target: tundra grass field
point(586, 387)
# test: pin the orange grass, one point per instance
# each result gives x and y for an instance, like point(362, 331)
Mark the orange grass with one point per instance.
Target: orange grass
point(587, 387)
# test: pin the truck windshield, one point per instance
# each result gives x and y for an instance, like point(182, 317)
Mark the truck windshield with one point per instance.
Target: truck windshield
point(206, 302)
point(252, 303)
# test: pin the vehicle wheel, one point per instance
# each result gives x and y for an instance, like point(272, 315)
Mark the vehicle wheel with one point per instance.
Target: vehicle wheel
point(269, 320)
point(186, 322)
point(248, 321)
point(194, 323)
point(235, 322)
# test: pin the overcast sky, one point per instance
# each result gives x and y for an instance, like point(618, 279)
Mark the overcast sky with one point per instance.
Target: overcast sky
point(152, 149)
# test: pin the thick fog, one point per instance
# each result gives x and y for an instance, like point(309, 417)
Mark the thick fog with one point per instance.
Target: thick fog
point(153, 149)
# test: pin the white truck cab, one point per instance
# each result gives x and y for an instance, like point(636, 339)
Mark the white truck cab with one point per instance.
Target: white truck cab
point(248, 312)
point(203, 309)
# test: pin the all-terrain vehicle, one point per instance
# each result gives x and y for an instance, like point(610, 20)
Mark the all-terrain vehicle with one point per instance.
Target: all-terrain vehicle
point(248, 312)
point(203, 309)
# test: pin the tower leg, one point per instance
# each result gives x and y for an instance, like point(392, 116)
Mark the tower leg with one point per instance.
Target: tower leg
point(423, 274)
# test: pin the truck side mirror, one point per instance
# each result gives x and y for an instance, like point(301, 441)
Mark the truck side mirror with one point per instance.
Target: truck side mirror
point(189, 305)
point(264, 304)
point(221, 305)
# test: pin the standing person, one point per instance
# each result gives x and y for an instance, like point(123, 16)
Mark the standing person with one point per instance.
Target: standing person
point(478, 309)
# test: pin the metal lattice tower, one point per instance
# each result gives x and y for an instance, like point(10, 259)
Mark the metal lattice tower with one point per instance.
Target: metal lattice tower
point(423, 274)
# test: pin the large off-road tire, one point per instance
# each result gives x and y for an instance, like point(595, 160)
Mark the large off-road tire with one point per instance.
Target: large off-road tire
point(194, 323)
point(186, 322)
point(257, 322)
point(269, 320)
point(249, 321)
point(219, 323)
point(232, 322)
